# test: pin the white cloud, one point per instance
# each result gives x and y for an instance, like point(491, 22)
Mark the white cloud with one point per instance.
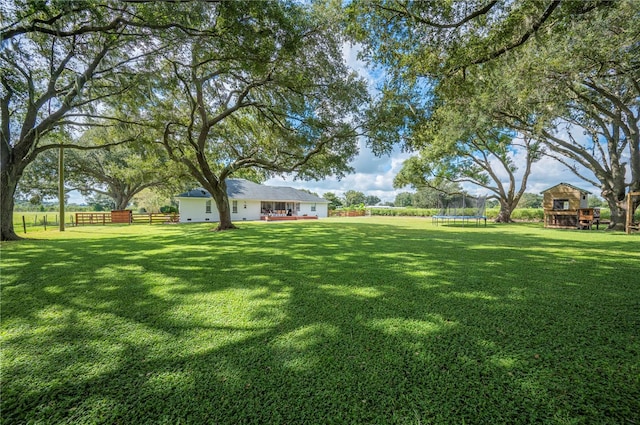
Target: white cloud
point(373, 176)
point(545, 173)
point(75, 197)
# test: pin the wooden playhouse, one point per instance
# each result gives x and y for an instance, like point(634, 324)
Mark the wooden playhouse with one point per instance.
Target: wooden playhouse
point(566, 206)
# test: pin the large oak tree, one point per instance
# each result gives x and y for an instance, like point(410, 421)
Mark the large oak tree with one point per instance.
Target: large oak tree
point(120, 172)
point(550, 70)
point(266, 89)
point(585, 108)
point(58, 62)
point(231, 86)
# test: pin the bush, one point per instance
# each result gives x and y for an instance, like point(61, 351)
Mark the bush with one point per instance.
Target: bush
point(528, 214)
point(605, 214)
point(524, 214)
point(404, 212)
point(167, 209)
point(492, 213)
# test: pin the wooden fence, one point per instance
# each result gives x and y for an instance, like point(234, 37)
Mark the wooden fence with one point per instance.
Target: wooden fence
point(83, 218)
point(155, 218)
point(346, 213)
point(86, 218)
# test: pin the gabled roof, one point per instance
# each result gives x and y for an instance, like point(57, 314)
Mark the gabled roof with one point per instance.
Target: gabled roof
point(246, 190)
point(195, 193)
point(569, 185)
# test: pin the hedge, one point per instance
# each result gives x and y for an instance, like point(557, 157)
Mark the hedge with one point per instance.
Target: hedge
point(524, 214)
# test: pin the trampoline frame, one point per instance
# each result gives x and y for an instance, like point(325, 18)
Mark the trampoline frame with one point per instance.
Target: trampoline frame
point(446, 219)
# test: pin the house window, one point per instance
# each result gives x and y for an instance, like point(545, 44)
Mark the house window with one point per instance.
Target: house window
point(234, 207)
point(313, 207)
point(561, 204)
point(207, 207)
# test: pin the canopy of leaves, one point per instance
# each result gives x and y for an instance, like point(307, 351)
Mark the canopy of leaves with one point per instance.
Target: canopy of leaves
point(553, 71)
point(354, 197)
point(267, 89)
point(441, 37)
point(334, 200)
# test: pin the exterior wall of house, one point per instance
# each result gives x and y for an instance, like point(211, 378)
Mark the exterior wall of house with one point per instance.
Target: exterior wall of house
point(321, 209)
point(584, 201)
point(576, 198)
point(193, 210)
point(247, 210)
point(561, 205)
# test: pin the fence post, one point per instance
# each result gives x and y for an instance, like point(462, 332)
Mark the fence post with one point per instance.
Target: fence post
point(45, 222)
point(150, 220)
point(24, 224)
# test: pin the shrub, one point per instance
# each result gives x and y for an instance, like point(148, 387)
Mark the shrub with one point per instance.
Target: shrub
point(528, 214)
point(168, 209)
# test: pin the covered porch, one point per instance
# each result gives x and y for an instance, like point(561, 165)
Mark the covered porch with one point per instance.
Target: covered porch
point(282, 211)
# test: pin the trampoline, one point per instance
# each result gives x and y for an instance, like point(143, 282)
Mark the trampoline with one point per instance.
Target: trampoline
point(461, 208)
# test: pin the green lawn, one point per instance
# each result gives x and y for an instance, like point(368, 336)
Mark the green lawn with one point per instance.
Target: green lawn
point(354, 321)
point(34, 220)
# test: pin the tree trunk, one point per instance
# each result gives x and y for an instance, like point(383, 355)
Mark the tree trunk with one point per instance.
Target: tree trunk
point(120, 201)
point(618, 216)
point(219, 193)
point(616, 201)
point(504, 216)
point(8, 185)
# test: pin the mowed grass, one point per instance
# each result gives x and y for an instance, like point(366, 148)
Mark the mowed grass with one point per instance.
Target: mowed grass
point(354, 321)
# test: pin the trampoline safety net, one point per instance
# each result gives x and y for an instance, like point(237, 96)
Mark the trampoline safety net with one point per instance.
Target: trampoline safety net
point(461, 208)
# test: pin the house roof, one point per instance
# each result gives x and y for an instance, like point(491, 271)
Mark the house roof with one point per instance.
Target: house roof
point(569, 185)
point(245, 189)
point(195, 193)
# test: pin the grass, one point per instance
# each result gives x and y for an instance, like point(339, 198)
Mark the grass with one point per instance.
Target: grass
point(35, 220)
point(355, 321)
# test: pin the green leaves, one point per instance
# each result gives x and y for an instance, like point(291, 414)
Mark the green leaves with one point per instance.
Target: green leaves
point(546, 70)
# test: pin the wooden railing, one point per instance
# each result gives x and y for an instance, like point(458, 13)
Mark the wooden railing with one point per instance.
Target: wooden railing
point(83, 218)
point(156, 218)
point(86, 218)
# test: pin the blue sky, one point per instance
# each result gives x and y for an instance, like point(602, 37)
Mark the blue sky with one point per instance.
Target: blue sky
point(374, 175)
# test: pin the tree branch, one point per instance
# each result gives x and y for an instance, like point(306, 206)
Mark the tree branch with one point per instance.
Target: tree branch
point(405, 11)
point(497, 53)
point(43, 148)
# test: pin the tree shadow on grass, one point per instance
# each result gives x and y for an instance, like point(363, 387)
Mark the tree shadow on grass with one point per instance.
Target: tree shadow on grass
point(320, 324)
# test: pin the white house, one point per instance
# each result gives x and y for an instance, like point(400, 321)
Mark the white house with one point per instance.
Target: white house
point(252, 201)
